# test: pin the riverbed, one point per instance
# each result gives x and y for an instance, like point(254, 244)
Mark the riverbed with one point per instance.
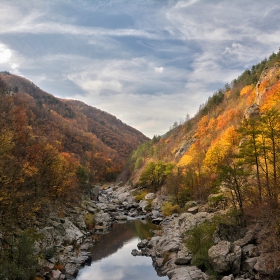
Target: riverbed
point(111, 256)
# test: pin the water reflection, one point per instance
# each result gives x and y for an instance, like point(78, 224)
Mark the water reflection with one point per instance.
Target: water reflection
point(112, 259)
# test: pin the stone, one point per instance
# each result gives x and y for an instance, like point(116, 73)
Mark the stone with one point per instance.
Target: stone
point(56, 274)
point(230, 277)
point(249, 250)
point(150, 196)
point(267, 263)
point(193, 210)
point(225, 257)
point(187, 273)
point(157, 221)
point(184, 259)
point(71, 269)
point(248, 264)
point(190, 204)
point(252, 111)
point(249, 236)
point(143, 204)
point(171, 246)
point(121, 217)
point(123, 196)
point(135, 253)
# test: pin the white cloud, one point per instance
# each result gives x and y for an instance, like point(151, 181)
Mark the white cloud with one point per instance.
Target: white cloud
point(167, 60)
point(5, 54)
point(159, 69)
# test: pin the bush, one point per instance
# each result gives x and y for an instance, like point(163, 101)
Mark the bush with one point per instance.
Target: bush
point(169, 209)
point(140, 195)
point(89, 220)
point(199, 240)
point(215, 199)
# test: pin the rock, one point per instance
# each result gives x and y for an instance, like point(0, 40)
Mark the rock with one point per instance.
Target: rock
point(193, 210)
point(225, 257)
point(150, 196)
point(102, 217)
point(123, 196)
point(121, 217)
point(56, 274)
point(183, 259)
point(157, 221)
point(190, 204)
point(248, 264)
point(71, 269)
point(230, 277)
point(252, 111)
point(135, 253)
point(143, 204)
point(144, 244)
point(102, 199)
point(249, 250)
point(249, 236)
point(171, 246)
point(187, 273)
point(268, 263)
point(72, 233)
point(94, 192)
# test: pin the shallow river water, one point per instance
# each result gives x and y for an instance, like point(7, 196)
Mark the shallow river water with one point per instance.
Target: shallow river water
point(112, 259)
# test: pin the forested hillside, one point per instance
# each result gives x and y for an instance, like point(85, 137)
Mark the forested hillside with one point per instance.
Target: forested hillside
point(233, 142)
point(52, 150)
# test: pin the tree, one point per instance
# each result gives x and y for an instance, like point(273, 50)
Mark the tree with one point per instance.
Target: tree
point(155, 174)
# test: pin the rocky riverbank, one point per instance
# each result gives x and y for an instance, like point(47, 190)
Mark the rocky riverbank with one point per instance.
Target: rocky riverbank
point(66, 242)
point(238, 253)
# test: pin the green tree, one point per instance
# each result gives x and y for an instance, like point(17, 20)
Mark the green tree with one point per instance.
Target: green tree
point(155, 174)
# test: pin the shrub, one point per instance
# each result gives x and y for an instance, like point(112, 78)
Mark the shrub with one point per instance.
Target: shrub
point(148, 207)
point(169, 209)
point(89, 220)
point(215, 199)
point(140, 195)
point(198, 241)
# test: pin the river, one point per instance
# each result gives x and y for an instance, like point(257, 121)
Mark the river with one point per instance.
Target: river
point(111, 256)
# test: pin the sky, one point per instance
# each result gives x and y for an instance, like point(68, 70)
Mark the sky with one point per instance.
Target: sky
point(148, 62)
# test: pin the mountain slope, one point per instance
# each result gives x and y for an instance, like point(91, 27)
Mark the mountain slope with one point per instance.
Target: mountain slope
point(53, 150)
point(212, 148)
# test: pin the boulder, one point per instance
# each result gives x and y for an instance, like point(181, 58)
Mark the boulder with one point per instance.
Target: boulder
point(183, 259)
point(150, 196)
point(249, 237)
point(143, 204)
point(190, 204)
point(187, 273)
point(252, 111)
point(71, 269)
point(225, 257)
point(249, 250)
point(135, 253)
point(193, 210)
point(268, 263)
point(56, 274)
point(230, 277)
point(248, 264)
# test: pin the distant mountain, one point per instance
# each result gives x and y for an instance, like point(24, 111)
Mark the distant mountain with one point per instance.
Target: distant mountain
point(85, 131)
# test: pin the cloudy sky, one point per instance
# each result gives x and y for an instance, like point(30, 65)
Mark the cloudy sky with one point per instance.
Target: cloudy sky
point(148, 62)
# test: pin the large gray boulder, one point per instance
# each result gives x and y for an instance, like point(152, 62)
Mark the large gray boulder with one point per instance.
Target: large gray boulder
point(225, 257)
point(187, 273)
